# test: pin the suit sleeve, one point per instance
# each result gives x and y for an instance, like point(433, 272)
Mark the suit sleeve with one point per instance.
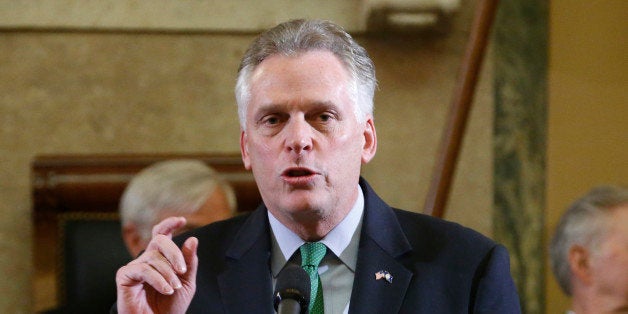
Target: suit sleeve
point(496, 291)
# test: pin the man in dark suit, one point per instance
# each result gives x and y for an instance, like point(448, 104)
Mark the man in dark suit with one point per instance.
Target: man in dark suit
point(305, 102)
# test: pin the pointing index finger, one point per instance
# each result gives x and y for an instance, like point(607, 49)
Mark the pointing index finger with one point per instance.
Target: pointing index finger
point(168, 226)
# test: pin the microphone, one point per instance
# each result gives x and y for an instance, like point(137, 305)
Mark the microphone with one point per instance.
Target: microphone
point(292, 291)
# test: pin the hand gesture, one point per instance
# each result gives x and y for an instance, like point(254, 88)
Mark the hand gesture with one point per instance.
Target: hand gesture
point(163, 278)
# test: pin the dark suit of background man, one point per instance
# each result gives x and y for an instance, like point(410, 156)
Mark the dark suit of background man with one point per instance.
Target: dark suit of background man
point(305, 102)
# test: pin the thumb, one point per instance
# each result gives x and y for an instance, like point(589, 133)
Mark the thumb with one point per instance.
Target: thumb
point(189, 251)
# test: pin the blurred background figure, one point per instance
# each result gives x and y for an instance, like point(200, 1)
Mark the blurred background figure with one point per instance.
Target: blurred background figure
point(589, 251)
point(175, 187)
point(187, 188)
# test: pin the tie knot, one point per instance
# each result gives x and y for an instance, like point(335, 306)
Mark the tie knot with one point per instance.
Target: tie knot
point(312, 253)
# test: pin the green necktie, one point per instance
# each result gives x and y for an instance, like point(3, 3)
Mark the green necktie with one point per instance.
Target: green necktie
point(311, 255)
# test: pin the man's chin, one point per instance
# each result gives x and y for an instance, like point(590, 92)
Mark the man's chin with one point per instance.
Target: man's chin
point(304, 204)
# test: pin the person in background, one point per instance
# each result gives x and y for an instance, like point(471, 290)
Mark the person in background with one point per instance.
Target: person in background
point(589, 251)
point(181, 187)
point(305, 102)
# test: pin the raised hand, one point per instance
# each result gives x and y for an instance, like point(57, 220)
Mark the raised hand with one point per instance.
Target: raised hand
point(163, 278)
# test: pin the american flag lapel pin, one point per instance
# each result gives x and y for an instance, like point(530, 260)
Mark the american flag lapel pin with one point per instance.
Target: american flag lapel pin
point(384, 274)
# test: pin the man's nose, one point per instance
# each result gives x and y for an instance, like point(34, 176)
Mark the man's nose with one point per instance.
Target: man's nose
point(298, 136)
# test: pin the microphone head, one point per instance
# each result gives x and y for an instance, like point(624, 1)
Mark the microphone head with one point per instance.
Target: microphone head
point(293, 283)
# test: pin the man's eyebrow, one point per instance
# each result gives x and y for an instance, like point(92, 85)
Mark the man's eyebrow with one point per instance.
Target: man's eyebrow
point(268, 108)
point(326, 104)
point(279, 107)
point(272, 107)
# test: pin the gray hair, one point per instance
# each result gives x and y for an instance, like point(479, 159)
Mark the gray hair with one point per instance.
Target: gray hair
point(178, 187)
point(298, 36)
point(584, 223)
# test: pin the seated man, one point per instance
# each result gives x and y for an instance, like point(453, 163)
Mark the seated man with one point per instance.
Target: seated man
point(187, 188)
point(589, 252)
point(183, 187)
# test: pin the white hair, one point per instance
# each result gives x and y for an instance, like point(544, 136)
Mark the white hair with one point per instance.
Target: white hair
point(584, 223)
point(178, 187)
point(299, 36)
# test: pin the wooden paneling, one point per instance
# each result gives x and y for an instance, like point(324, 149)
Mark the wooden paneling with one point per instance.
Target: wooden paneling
point(69, 183)
point(90, 184)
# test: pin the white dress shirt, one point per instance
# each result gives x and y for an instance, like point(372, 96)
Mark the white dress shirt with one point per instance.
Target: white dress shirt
point(337, 268)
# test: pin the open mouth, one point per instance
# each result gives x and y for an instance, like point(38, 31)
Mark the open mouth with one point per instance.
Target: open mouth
point(300, 172)
point(299, 176)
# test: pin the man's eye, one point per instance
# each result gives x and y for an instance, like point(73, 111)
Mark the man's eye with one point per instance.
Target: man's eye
point(271, 120)
point(325, 117)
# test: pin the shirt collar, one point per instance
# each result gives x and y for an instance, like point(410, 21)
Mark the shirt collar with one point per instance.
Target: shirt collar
point(337, 240)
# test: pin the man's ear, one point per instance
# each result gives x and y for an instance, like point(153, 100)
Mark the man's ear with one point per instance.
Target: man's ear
point(370, 141)
point(580, 263)
point(132, 239)
point(244, 150)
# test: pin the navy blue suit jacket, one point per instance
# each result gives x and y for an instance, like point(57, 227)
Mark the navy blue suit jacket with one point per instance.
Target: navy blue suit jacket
point(437, 266)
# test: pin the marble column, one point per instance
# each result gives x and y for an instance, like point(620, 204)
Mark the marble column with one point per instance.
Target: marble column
point(520, 132)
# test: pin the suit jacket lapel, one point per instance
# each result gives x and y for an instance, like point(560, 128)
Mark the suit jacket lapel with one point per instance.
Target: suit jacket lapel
point(382, 246)
point(246, 284)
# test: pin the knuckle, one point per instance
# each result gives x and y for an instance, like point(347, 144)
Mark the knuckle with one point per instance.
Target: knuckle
point(155, 229)
point(160, 238)
point(121, 272)
point(145, 269)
